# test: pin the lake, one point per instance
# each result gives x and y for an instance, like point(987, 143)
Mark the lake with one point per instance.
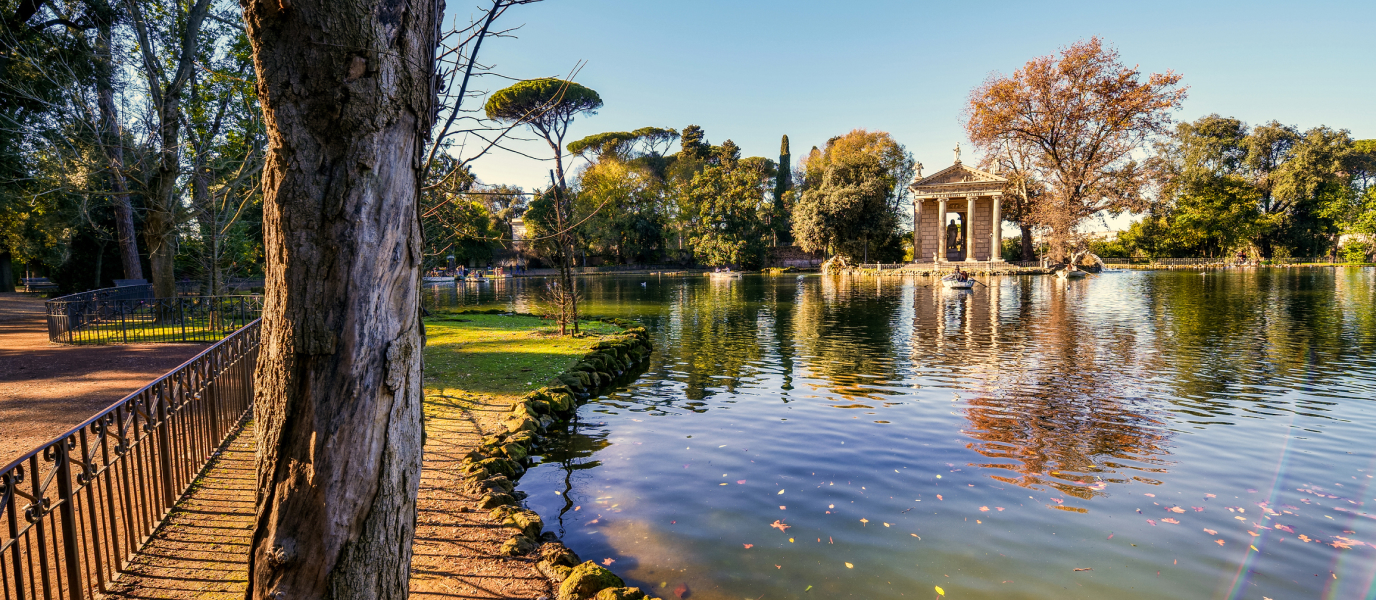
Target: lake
point(1133, 435)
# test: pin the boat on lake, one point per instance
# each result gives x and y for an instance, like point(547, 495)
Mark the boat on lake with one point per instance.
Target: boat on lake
point(725, 274)
point(950, 282)
point(438, 279)
point(1069, 274)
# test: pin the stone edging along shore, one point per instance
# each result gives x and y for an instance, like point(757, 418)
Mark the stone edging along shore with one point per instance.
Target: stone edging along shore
point(491, 471)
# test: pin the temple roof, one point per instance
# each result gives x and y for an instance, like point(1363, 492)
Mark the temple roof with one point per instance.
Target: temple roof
point(959, 178)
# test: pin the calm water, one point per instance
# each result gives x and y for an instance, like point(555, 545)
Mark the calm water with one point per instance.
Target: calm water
point(1177, 435)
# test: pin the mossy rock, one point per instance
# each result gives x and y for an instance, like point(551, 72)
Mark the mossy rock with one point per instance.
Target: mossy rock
point(501, 466)
point(498, 484)
point(514, 451)
point(556, 573)
point(557, 553)
point(586, 580)
point(561, 403)
point(519, 424)
point(525, 438)
point(620, 593)
point(571, 381)
point(495, 500)
point(517, 546)
point(586, 378)
point(525, 521)
point(585, 366)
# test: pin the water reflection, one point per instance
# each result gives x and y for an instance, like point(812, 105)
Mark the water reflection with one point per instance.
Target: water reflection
point(920, 434)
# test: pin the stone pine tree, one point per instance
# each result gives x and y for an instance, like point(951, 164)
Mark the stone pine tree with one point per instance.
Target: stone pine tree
point(783, 182)
point(348, 97)
point(548, 106)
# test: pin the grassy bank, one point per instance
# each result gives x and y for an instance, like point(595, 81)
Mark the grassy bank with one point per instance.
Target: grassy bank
point(499, 355)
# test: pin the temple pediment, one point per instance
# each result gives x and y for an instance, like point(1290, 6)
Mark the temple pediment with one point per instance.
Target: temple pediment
point(958, 176)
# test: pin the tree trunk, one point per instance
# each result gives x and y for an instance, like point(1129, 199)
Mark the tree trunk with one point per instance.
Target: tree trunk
point(347, 89)
point(113, 145)
point(1029, 250)
point(6, 271)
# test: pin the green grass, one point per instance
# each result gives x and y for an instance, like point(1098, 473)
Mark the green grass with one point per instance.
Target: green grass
point(500, 355)
point(144, 331)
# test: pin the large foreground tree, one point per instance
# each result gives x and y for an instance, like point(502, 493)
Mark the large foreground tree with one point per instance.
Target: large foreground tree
point(1081, 118)
point(348, 95)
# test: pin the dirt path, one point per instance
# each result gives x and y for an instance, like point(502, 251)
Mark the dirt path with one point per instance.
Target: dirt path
point(47, 388)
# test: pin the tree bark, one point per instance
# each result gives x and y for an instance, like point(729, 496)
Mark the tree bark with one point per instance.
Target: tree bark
point(347, 88)
point(113, 145)
point(1029, 251)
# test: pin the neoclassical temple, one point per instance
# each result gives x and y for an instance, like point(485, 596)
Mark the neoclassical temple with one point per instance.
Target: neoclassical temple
point(957, 215)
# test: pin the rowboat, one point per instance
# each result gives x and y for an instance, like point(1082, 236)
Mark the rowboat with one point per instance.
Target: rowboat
point(725, 274)
point(951, 283)
point(1068, 274)
point(438, 279)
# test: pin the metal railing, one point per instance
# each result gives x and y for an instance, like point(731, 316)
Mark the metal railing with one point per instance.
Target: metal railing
point(129, 318)
point(74, 511)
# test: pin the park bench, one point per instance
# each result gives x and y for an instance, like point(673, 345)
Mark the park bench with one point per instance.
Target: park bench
point(38, 284)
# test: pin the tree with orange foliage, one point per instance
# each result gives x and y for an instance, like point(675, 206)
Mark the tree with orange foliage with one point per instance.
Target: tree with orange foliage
point(1074, 122)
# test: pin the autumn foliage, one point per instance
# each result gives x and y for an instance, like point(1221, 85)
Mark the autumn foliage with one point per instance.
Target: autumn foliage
point(1075, 122)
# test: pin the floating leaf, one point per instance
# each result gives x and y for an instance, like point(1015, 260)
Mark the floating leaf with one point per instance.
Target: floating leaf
point(940, 591)
point(748, 546)
point(682, 590)
point(863, 522)
point(1153, 522)
point(1149, 495)
point(1285, 528)
point(1084, 569)
point(607, 562)
point(1219, 542)
point(1210, 496)
point(984, 509)
point(1176, 509)
point(850, 566)
point(1305, 538)
point(808, 588)
point(1198, 508)
point(938, 497)
point(1210, 532)
point(1170, 520)
point(780, 525)
point(780, 492)
point(886, 524)
point(740, 481)
point(998, 508)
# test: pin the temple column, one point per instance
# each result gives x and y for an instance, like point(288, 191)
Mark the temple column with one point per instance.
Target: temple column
point(969, 228)
point(996, 233)
point(917, 228)
point(941, 228)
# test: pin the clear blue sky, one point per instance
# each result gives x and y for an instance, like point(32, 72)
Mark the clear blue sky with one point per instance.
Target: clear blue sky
point(752, 70)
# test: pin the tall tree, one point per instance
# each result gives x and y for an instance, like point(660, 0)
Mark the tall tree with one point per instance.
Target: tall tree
point(548, 106)
point(338, 397)
point(850, 199)
point(112, 142)
point(1080, 116)
point(782, 184)
point(181, 31)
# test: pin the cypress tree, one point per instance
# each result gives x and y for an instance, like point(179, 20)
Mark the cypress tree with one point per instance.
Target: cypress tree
point(782, 183)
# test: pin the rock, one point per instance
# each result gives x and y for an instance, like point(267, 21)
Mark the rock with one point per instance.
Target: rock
point(620, 593)
point(515, 451)
point(586, 580)
point(551, 537)
point(495, 500)
point(546, 421)
point(557, 553)
point(556, 573)
point(517, 545)
point(526, 521)
point(496, 485)
point(522, 423)
point(501, 466)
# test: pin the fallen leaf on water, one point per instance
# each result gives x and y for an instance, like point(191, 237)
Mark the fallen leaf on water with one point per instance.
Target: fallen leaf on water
point(777, 524)
point(1285, 528)
point(1198, 508)
point(915, 535)
point(594, 521)
point(940, 591)
point(1219, 542)
point(1305, 538)
point(1240, 518)
point(1149, 495)
point(1170, 520)
point(607, 562)
point(886, 524)
point(782, 507)
point(778, 566)
point(1084, 569)
point(1210, 496)
point(984, 509)
point(1153, 523)
point(1176, 509)
point(850, 566)
point(863, 522)
point(577, 508)
point(682, 590)
point(790, 540)
point(810, 587)
point(740, 481)
point(780, 492)
point(1210, 532)
point(1254, 548)
point(1058, 500)
point(748, 546)
point(998, 508)
point(1254, 534)
point(938, 496)
point(1110, 536)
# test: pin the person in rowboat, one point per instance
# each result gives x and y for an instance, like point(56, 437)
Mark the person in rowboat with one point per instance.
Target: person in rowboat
point(960, 275)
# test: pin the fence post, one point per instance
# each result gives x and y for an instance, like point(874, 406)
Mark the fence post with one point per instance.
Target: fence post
point(165, 445)
point(66, 508)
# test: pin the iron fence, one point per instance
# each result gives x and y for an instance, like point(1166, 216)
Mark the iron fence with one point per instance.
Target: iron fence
point(132, 319)
point(74, 511)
